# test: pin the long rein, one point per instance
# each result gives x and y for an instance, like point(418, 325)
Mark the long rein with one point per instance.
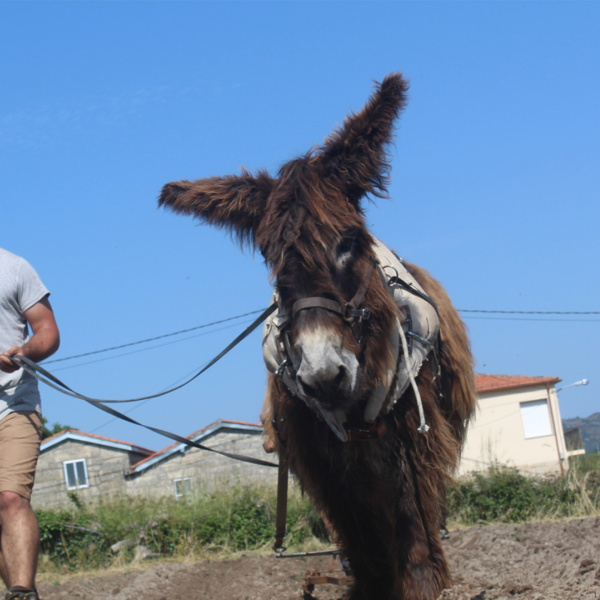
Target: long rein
point(52, 381)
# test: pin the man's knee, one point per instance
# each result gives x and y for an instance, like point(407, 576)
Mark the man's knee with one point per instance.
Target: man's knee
point(11, 502)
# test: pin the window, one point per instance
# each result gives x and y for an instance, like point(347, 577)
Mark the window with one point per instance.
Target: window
point(536, 419)
point(183, 487)
point(76, 475)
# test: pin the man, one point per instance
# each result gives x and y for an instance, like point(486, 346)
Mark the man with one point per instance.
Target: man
point(24, 306)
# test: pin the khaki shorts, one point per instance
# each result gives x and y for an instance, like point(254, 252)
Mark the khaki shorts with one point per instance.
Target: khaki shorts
point(20, 437)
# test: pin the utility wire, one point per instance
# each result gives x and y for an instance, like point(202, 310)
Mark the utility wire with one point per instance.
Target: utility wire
point(152, 339)
point(532, 312)
point(182, 331)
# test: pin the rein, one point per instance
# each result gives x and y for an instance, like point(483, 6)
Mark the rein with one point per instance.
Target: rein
point(49, 379)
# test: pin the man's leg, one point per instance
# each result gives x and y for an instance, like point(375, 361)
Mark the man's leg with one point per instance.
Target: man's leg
point(3, 572)
point(19, 540)
point(20, 435)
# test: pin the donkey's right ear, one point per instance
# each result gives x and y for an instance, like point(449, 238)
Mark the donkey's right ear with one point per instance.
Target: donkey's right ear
point(235, 202)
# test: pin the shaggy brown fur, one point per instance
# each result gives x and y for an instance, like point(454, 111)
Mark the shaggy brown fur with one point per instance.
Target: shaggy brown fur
point(384, 498)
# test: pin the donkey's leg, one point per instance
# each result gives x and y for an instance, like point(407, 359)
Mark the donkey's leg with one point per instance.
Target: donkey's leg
point(360, 504)
point(369, 549)
point(422, 570)
point(412, 567)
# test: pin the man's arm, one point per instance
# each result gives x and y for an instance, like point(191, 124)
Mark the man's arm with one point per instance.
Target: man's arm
point(45, 337)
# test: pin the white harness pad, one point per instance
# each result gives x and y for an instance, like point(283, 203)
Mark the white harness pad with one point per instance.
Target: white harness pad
point(416, 334)
point(412, 340)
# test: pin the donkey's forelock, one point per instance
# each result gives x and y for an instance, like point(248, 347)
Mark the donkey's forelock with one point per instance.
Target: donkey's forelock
point(307, 216)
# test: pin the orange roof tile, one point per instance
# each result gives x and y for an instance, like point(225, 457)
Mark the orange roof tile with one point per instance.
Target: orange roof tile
point(191, 437)
point(98, 437)
point(489, 383)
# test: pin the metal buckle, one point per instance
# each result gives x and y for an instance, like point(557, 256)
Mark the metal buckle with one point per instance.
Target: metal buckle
point(362, 314)
point(281, 367)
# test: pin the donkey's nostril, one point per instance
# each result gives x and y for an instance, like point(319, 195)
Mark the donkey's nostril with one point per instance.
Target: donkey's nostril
point(324, 388)
point(308, 389)
point(339, 378)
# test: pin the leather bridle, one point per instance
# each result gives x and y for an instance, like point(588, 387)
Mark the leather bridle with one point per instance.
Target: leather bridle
point(352, 313)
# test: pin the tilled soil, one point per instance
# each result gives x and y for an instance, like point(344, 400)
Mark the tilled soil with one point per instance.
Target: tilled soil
point(534, 561)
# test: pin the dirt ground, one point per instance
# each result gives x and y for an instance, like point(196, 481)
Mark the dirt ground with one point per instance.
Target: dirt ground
point(534, 561)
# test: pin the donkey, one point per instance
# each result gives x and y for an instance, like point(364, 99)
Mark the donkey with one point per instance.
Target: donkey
point(371, 375)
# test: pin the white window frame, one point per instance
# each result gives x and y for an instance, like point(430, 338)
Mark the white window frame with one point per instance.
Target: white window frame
point(79, 485)
point(535, 416)
point(186, 486)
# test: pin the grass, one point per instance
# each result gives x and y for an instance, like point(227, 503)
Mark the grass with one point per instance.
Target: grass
point(222, 524)
point(242, 519)
point(504, 495)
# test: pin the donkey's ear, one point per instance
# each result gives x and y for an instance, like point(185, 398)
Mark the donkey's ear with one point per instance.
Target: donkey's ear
point(236, 203)
point(354, 156)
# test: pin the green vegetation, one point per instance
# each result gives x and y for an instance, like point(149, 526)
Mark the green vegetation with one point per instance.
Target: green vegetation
point(50, 431)
point(504, 495)
point(228, 521)
point(243, 518)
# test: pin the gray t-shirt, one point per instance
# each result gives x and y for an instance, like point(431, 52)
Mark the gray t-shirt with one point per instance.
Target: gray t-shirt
point(20, 289)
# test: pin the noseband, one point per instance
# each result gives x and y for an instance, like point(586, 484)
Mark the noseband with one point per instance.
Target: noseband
point(351, 312)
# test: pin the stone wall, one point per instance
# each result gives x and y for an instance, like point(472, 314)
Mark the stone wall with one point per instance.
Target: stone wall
point(106, 469)
point(205, 471)
point(114, 469)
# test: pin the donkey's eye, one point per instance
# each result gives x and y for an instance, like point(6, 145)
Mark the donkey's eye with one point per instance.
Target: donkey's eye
point(346, 246)
point(345, 250)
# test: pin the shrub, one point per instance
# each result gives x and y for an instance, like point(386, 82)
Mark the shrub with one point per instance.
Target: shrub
point(503, 494)
point(229, 520)
point(243, 518)
point(69, 540)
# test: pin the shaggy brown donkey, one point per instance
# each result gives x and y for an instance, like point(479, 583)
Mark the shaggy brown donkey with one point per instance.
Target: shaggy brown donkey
point(356, 355)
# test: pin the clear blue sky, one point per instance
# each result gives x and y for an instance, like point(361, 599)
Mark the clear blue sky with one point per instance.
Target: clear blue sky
point(495, 178)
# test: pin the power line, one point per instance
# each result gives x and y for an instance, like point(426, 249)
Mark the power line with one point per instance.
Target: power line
point(551, 316)
point(547, 320)
point(206, 325)
point(152, 339)
point(531, 312)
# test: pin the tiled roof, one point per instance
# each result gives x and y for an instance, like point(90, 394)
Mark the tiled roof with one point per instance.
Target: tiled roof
point(194, 437)
point(490, 383)
point(69, 433)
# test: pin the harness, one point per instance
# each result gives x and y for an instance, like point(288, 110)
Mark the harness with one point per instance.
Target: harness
point(414, 337)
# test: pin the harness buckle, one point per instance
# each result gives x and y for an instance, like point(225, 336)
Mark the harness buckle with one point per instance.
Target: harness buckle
point(372, 431)
point(281, 367)
point(362, 314)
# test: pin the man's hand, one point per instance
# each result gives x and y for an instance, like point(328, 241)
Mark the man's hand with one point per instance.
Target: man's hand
point(7, 365)
point(43, 342)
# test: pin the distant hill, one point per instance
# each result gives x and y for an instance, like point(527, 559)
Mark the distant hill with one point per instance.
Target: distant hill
point(590, 431)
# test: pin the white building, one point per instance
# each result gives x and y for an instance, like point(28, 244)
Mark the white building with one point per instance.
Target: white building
point(518, 424)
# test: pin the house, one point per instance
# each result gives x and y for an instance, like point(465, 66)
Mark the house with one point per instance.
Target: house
point(180, 469)
point(517, 423)
point(91, 466)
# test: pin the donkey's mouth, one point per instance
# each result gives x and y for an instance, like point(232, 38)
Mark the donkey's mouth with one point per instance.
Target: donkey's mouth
point(335, 419)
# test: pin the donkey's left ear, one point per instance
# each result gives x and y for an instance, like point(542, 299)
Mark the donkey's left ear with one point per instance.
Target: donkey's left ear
point(354, 156)
point(235, 202)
